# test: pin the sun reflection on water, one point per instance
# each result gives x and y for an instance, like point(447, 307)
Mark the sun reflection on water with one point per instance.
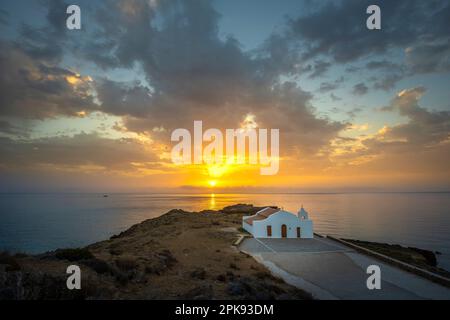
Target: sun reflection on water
point(212, 201)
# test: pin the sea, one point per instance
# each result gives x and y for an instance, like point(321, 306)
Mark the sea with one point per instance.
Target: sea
point(36, 223)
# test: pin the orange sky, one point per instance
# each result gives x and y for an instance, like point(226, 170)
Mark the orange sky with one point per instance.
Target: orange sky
point(94, 110)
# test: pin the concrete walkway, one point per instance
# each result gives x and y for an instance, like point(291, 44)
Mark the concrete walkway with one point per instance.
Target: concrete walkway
point(330, 270)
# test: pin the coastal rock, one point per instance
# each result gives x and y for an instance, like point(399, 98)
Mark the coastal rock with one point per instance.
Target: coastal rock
point(241, 208)
point(429, 256)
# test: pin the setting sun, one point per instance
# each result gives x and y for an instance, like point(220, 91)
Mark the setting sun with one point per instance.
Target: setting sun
point(212, 183)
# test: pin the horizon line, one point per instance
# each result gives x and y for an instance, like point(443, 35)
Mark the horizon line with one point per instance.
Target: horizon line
point(216, 193)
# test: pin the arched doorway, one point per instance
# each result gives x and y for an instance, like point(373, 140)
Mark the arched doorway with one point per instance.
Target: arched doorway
point(283, 231)
point(298, 232)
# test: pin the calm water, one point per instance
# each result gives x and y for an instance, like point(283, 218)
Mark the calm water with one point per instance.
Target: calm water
point(36, 223)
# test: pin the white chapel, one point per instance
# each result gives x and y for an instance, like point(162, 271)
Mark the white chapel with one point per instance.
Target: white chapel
point(277, 223)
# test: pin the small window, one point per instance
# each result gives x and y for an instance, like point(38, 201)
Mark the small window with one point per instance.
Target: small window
point(269, 231)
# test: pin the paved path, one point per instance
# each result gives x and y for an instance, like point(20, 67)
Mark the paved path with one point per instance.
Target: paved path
point(330, 270)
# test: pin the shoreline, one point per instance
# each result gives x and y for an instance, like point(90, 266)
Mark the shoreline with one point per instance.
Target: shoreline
point(178, 255)
point(40, 226)
point(415, 260)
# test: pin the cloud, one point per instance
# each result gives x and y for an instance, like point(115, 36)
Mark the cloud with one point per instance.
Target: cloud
point(191, 72)
point(122, 33)
point(124, 99)
point(6, 127)
point(337, 30)
point(34, 89)
point(46, 43)
point(388, 74)
point(330, 86)
point(360, 89)
point(414, 151)
point(425, 128)
point(382, 64)
point(194, 74)
point(319, 68)
point(429, 56)
point(80, 152)
point(334, 97)
point(387, 81)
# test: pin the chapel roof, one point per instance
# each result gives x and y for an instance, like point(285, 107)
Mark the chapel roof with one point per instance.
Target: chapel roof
point(261, 215)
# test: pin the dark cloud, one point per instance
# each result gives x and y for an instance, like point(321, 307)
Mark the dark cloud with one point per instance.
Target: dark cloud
point(183, 58)
point(124, 99)
point(82, 150)
point(387, 82)
point(334, 97)
point(352, 69)
point(383, 65)
point(330, 86)
point(194, 74)
point(338, 30)
point(33, 84)
point(33, 89)
point(319, 69)
point(46, 43)
point(295, 117)
point(429, 57)
point(360, 89)
point(388, 74)
point(284, 106)
point(122, 33)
